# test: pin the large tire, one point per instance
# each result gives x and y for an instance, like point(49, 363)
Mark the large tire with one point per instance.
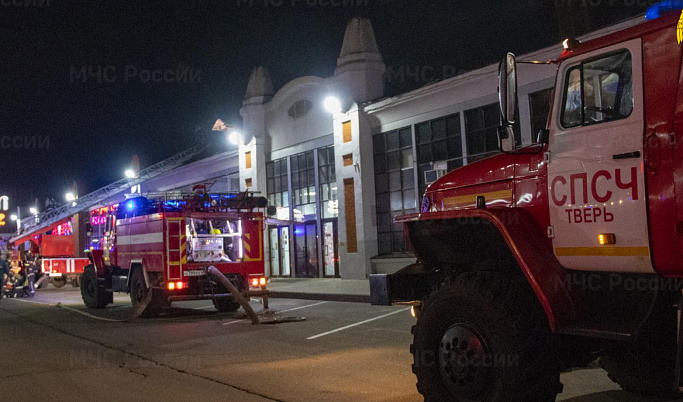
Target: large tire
point(483, 337)
point(641, 377)
point(58, 281)
point(94, 295)
point(139, 293)
point(226, 304)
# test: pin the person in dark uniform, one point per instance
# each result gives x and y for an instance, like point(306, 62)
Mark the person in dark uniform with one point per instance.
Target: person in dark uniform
point(4, 268)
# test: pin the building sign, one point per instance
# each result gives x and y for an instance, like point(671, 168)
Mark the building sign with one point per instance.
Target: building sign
point(4, 207)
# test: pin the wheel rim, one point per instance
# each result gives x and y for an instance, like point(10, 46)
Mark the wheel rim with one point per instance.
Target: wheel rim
point(90, 288)
point(465, 363)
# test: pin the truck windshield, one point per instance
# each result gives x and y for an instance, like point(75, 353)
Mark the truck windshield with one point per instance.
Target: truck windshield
point(214, 240)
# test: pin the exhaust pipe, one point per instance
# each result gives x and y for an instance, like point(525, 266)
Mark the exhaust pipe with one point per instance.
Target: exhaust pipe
point(235, 292)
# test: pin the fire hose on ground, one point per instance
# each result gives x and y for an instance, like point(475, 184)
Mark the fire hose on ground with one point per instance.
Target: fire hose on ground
point(245, 303)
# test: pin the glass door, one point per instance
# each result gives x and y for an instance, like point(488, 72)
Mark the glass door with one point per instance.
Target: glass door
point(284, 251)
point(330, 251)
point(306, 245)
point(274, 251)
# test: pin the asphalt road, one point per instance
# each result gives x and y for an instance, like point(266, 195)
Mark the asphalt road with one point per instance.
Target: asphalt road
point(341, 352)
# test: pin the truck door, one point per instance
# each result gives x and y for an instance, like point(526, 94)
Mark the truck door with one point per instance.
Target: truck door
point(597, 196)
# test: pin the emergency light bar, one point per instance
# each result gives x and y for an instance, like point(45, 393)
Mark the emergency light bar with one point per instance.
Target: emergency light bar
point(663, 8)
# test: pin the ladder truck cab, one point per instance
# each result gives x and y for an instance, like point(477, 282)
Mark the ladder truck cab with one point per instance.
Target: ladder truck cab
point(164, 246)
point(548, 256)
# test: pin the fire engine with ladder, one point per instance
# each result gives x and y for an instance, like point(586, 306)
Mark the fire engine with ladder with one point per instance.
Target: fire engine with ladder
point(56, 238)
point(159, 248)
point(548, 256)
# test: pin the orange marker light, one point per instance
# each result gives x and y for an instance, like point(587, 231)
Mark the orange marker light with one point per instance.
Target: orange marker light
point(254, 282)
point(262, 281)
point(606, 238)
point(179, 285)
point(171, 286)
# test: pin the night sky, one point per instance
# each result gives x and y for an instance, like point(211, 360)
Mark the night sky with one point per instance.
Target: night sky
point(89, 130)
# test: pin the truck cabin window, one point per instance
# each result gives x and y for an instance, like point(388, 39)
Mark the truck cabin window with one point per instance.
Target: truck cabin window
point(598, 91)
point(214, 240)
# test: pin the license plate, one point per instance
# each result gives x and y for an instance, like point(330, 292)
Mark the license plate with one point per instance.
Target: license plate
point(194, 273)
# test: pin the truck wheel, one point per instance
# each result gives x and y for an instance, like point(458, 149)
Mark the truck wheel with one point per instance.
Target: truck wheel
point(148, 307)
point(58, 282)
point(645, 376)
point(483, 337)
point(226, 304)
point(94, 295)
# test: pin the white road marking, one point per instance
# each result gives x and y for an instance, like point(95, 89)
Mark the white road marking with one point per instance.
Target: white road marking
point(299, 308)
point(29, 301)
point(68, 308)
point(231, 322)
point(357, 324)
point(87, 314)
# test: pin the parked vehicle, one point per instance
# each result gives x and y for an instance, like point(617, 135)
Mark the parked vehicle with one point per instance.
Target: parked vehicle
point(547, 256)
point(164, 246)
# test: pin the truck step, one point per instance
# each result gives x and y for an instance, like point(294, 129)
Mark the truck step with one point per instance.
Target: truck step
point(594, 331)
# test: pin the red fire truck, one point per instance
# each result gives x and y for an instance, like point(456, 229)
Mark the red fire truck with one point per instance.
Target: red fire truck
point(164, 246)
point(547, 256)
point(55, 254)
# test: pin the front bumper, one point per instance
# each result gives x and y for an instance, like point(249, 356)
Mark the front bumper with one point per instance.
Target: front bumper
point(407, 286)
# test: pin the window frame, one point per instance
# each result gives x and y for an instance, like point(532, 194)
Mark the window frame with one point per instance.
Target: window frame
point(565, 91)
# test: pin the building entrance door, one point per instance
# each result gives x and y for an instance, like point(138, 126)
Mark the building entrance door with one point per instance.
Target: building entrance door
point(306, 246)
point(279, 251)
point(330, 250)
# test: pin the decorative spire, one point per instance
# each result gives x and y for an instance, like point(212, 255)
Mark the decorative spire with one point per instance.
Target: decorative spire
point(260, 88)
point(359, 42)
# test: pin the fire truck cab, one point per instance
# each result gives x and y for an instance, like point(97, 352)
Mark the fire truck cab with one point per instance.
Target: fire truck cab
point(549, 256)
point(164, 246)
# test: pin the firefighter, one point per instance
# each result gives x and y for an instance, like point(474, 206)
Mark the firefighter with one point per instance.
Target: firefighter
point(4, 268)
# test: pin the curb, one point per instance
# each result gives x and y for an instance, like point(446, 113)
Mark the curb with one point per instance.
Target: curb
point(321, 296)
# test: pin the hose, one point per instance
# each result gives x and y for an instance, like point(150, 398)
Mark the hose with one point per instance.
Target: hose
point(235, 292)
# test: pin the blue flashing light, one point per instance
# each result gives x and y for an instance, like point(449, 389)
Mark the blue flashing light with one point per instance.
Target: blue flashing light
point(663, 8)
point(130, 205)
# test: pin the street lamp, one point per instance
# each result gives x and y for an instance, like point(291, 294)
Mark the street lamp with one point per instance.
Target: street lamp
point(234, 136)
point(70, 197)
point(13, 217)
point(130, 173)
point(33, 210)
point(332, 105)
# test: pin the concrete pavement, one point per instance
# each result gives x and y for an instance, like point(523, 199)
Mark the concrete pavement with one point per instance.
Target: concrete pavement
point(342, 352)
point(330, 289)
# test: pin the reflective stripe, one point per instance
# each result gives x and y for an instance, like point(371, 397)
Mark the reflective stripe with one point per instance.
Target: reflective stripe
point(602, 251)
point(157, 237)
point(471, 199)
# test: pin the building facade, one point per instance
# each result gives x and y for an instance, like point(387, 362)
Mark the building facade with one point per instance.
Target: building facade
point(337, 179)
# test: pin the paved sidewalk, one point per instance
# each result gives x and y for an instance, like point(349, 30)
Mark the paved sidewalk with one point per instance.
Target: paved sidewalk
point(346, 290)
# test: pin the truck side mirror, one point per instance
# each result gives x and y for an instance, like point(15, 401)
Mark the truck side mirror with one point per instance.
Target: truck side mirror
point(506, 138)
point(507, 88)
point(507, 100)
